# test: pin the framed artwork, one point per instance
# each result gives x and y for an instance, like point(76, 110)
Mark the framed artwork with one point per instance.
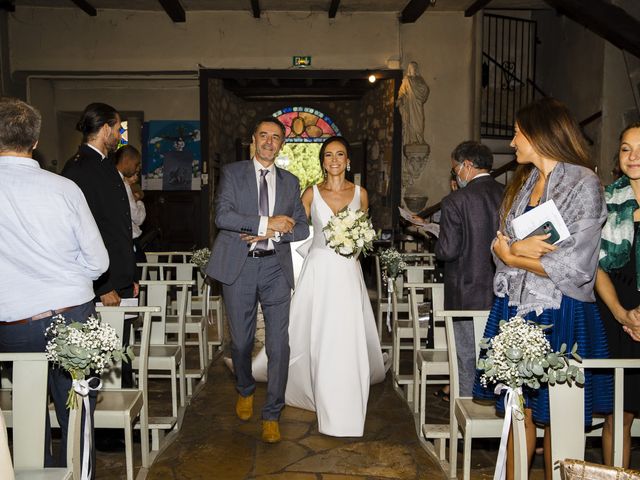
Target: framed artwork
point(171, 156)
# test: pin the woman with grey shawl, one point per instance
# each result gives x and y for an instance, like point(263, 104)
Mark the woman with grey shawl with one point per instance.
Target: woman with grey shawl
point(618, 281)
point(551, 284)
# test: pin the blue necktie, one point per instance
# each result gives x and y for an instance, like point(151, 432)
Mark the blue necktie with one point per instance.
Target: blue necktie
point(263, 209)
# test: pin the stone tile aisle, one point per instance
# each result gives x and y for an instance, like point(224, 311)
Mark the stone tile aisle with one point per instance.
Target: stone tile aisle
point(214, 444)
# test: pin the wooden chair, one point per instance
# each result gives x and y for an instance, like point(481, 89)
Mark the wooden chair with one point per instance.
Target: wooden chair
point(25, 413)
point(471, 419)
point(117, 407)
point(402, 328)
point(195, 324)
point(428, 362)
point(165, 357)
point(567, 424)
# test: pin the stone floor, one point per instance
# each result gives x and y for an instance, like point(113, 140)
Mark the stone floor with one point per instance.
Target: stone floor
point(214, 444)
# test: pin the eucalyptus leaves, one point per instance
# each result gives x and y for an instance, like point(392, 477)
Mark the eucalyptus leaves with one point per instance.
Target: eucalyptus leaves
point(82, 348)
point(392, 263)
point(200, 257)
point(521, 355)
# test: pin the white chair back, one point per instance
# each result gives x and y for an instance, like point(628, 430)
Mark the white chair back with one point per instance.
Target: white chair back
point(567, 424)
point(29, 407)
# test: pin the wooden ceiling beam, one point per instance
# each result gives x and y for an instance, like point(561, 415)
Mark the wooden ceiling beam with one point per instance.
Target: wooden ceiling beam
point(475, 7)
point(175, 10)
point(604, 19)
point(255, 8)
point(333, 8)
point(86, 7)
point(413, 10)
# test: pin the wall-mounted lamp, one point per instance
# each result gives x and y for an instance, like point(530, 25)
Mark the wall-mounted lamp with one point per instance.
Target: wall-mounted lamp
point(372, 78)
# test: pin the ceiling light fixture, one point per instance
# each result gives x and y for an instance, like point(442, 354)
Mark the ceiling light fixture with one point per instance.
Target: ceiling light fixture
point(372, 78)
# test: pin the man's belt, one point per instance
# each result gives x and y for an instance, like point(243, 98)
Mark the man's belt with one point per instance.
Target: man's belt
point(39, 316)
point(261, 253)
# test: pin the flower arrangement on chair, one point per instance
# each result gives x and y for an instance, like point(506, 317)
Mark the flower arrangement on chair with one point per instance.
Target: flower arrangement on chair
point(350, 232)
point(521, 356)
point(80, 349)
point(200, 257)
point(391, 263)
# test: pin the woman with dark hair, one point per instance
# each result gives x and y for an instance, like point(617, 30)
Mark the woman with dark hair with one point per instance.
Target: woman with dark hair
point(551, 284)
point(335, 351)
point(618, 281)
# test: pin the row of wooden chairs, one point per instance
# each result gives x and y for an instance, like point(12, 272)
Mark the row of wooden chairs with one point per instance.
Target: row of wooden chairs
point(469, 419)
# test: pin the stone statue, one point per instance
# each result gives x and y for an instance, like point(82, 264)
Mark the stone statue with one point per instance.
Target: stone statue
point(413, 93)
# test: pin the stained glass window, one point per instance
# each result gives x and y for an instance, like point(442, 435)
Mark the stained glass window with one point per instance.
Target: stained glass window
point(306, 125)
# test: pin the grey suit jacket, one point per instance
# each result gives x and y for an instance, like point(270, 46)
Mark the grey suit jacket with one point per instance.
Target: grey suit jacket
point(237, 213)
point(468, 225)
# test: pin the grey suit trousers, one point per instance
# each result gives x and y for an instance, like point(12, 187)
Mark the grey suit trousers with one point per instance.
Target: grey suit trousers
point(466, 353)
point(261, 280)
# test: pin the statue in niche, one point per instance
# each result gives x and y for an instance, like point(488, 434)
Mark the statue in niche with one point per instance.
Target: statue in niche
point(412, 96)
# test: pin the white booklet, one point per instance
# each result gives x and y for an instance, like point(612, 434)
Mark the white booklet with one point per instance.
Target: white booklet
point(545, 218)
point(125, 302)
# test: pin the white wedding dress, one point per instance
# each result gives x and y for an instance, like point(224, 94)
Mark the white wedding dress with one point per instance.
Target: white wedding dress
point(335, 351)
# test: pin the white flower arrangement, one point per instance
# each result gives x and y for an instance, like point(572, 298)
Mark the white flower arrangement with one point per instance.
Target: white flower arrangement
point(350, 233)
point(521, 355)
point(392, 263)
point(82, 348)
point(200, 258)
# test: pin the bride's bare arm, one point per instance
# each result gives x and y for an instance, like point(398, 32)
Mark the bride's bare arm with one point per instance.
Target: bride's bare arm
point(364, 199)
point(307, 198)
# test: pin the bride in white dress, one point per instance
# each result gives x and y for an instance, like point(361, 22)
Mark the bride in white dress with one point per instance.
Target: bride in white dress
point(335, 351)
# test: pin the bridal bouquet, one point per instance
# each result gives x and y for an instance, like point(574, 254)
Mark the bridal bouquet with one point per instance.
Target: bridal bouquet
point(200, 258)
point(521, 355)
point(350, 232)
point(80, 348)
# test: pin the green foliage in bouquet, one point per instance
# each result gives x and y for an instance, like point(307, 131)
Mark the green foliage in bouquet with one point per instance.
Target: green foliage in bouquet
point(520, 355)
point(200, 257)
point(82, 348)
point(392, 263)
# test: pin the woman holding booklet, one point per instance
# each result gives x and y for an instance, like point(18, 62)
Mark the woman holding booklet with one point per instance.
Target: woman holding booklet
point(618, 281)
point(551, 284)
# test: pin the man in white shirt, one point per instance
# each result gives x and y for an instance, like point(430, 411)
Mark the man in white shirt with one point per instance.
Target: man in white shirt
point(128, 163)
point(51, 250)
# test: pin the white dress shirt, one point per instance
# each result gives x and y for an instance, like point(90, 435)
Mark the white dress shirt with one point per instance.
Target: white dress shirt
point(50, 246)
point(138, 210)
point(271, 186)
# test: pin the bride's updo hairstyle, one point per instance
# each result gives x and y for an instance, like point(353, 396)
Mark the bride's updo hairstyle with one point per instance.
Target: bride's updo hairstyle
point(329, 140)
point(93, 118)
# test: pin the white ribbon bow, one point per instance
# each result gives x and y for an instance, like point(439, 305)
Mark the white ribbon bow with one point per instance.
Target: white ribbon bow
point(389, 293)
point(83, 388)
point(511, 407)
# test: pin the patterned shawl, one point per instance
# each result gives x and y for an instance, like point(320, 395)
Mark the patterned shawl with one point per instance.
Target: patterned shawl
point(571, 268)
point(617, 234)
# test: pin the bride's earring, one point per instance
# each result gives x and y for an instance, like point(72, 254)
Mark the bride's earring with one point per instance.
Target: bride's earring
point(348, 167)
point(324, 172)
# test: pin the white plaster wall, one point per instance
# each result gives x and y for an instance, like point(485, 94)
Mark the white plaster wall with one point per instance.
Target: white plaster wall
point(157, 99)
point(442, 44)
point(67, 39)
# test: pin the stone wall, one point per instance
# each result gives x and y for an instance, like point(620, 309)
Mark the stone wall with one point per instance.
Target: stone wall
point(375, 124)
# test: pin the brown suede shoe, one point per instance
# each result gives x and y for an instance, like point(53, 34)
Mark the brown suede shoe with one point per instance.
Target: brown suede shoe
point(270, 431)
point(244, 407)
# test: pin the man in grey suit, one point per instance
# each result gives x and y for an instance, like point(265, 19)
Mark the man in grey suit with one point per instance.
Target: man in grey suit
point(468, 224)
point(258, 213)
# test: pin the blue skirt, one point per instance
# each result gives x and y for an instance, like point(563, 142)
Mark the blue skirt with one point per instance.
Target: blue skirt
point(574, 321)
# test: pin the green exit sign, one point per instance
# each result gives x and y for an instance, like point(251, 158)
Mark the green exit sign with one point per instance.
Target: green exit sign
point(300, 61)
